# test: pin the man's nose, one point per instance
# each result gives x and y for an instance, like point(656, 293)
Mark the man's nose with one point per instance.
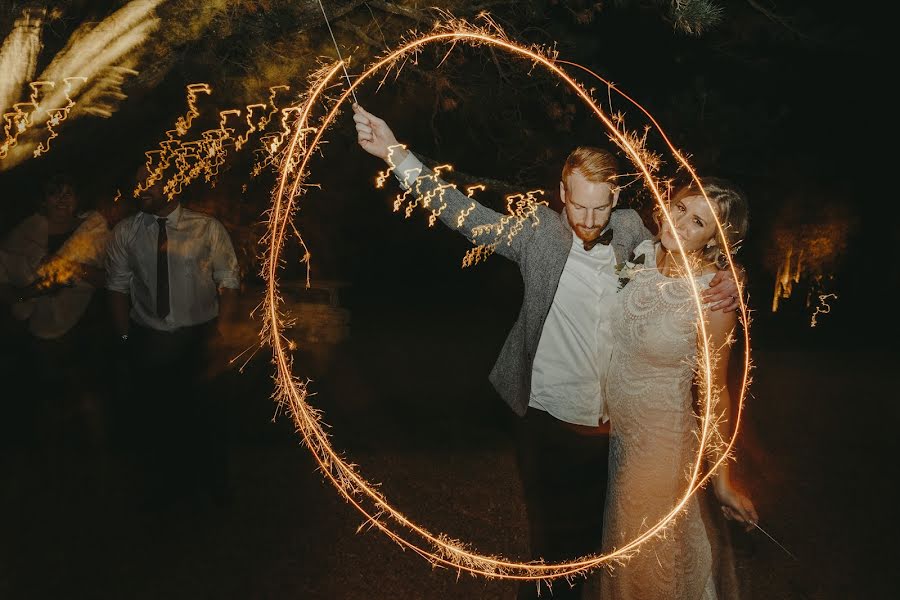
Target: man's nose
point(590, 220)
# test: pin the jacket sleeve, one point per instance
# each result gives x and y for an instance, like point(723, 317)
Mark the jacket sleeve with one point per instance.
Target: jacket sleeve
point(505, 234)
point(631, 221)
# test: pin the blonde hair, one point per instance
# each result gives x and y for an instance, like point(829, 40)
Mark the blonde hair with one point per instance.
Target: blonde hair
point(596, 165)
point(732, 210)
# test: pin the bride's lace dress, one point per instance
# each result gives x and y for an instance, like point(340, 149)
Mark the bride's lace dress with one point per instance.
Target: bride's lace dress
point(653, 441)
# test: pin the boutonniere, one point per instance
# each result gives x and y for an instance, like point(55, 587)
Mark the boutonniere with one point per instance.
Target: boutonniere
point(628, 269)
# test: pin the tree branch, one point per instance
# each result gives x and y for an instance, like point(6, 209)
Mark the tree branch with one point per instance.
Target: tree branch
point(358, 31)
point(777, 19)
point(399, 10)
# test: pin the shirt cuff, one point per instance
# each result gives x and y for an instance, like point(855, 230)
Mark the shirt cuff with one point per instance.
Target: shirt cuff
point(227, 280)
point(119, 284)
point(408, 170)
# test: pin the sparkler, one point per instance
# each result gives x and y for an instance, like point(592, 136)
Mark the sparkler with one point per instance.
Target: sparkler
point(292, 392)
point(776, 542)
point(337, 49)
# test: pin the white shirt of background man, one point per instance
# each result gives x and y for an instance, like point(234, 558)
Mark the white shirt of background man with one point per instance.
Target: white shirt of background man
point(201, 260)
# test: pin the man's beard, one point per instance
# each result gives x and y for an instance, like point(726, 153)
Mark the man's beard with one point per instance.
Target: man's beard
point(588, 235)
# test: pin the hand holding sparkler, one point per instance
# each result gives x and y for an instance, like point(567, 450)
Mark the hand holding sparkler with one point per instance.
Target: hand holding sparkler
point(736, 506)
point(376, 138)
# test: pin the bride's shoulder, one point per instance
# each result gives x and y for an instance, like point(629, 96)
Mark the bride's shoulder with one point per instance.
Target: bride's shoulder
point(646, 249)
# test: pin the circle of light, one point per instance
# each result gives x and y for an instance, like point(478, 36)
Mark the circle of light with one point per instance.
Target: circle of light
point(292, 392)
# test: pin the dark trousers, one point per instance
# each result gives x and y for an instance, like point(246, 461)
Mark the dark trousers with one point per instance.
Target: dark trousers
point(180, 421)
point(564, 474)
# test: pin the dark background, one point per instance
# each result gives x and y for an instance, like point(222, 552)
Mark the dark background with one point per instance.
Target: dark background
point(790, 105)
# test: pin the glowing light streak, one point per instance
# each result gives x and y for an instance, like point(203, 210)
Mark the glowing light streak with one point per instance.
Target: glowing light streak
point(19, 55)
point(93, 48)
point(823, 308)
point(183, 124)
point(273, 91)
point(251, 125)
point(57, 116)
point(291, 392)
point(100, 55)
point(788, 274)
point(204, 156)
point(16, 123)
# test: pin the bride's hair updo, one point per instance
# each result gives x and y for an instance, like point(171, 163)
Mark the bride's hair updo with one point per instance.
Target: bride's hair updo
point(731, 207)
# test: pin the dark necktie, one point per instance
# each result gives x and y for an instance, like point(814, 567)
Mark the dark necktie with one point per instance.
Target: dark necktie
point(604, 238)
point(162, 270)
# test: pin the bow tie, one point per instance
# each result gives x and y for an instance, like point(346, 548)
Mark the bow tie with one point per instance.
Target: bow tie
point(604, 238)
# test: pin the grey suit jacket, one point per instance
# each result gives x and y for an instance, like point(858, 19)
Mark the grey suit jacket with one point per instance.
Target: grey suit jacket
point(541, 252)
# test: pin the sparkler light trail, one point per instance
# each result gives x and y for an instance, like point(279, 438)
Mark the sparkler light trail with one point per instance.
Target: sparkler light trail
point(291, 392)
point(805, 255)
point(99, 56)
point(19, 55)
point(205, 155)
point(788, 274)
point(823, 308)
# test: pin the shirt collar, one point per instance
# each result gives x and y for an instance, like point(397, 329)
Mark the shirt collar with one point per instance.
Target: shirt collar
point(172, 219)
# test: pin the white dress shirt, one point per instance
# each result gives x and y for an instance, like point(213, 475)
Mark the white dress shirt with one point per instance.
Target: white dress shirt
point(572, 358)
point(201, 260)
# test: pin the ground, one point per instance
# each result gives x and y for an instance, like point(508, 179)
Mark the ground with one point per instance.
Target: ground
point(74, 527)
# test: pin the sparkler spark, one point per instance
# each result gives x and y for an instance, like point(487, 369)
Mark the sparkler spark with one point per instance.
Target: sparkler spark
point(292, 392)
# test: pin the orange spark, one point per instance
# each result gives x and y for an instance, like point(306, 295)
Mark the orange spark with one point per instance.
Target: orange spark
point(292, 392)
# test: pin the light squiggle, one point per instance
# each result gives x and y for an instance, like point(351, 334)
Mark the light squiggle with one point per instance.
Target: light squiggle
point(204, 156)
point(291, 392)
point(823, 308)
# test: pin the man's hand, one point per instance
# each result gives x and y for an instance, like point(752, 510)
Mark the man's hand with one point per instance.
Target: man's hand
point(723, 292)
point(376, 137)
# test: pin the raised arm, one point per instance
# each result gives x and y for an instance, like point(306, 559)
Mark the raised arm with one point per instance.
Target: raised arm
point(456, 210)
point(735, 504)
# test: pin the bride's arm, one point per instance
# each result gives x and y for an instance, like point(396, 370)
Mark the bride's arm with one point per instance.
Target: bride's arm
point(735, 505)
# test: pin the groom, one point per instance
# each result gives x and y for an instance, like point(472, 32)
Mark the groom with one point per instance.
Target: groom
point(553, 364)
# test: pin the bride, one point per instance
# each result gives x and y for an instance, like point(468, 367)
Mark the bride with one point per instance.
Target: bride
point(654, 437)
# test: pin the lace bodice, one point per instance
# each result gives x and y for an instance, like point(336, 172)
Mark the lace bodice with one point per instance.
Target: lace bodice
point(653, 441)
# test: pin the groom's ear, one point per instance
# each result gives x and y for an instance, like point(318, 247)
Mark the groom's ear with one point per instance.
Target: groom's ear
point(615, 195)
point(562, 191)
